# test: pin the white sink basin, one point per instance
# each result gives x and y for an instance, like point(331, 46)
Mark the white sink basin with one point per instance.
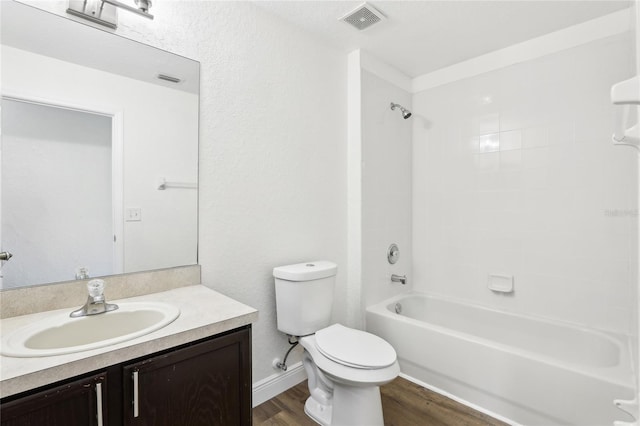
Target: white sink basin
point(60, 334)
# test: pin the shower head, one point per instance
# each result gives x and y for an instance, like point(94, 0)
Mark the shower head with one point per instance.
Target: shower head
point(405, 112)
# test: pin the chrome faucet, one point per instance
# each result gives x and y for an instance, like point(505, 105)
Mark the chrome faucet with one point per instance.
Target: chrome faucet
point(95, 301)
point(402, 279)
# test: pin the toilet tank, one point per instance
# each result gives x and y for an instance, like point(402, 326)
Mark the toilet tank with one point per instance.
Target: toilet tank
point(304, 296)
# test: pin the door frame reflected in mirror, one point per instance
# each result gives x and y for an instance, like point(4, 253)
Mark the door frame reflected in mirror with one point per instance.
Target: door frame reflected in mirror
point(116, 117)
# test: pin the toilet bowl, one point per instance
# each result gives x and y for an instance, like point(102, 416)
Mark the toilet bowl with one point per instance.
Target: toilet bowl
point(345, 367)
point(345, 375)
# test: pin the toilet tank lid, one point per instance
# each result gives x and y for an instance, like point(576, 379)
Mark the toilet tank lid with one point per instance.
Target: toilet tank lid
point(306, 271)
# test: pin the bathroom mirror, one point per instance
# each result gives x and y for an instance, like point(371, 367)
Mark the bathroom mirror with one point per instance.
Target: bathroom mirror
point(99, 152)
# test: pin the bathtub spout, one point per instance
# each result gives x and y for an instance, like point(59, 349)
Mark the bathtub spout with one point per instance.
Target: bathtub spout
point(402, 279)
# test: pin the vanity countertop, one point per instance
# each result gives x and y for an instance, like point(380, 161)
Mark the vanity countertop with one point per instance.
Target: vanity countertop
point(203, 313)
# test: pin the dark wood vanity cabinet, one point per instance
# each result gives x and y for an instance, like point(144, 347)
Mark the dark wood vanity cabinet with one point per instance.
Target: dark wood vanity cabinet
point(77, 402)
point(204, 383)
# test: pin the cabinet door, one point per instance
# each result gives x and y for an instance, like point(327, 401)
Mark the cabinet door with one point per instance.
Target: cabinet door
point(205, 384)
point(78, 403)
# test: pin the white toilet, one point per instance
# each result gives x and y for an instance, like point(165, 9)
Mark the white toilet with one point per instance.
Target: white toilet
point(345, 367)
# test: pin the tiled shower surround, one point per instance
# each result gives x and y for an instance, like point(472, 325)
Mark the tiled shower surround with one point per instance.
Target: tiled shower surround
point(514, 173)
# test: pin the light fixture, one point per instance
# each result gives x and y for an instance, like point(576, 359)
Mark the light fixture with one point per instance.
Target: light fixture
point(104, 12)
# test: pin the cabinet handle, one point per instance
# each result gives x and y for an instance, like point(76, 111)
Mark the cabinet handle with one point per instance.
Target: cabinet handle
point(135, 394)
point(99, 403)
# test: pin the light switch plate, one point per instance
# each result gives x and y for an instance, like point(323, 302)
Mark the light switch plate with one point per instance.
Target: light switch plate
point(133, 214)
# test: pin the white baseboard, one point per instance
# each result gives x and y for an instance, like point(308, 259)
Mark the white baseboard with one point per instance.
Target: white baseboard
point(277, 383)
point(459, 400)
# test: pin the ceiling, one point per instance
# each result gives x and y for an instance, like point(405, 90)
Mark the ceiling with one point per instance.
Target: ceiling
point(419, 37)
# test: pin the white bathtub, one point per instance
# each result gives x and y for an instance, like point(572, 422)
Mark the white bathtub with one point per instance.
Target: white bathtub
point(528, 370)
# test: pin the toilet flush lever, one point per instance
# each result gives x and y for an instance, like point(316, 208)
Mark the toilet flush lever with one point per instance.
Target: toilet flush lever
point(402, 279)
point(5, 255)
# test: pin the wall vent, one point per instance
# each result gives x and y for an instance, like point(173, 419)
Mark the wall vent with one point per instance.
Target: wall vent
point(363, 17)
point(169, 78)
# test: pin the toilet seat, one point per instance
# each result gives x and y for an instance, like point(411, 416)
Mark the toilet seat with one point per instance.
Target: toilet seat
point(354, 348)
point(342, 373)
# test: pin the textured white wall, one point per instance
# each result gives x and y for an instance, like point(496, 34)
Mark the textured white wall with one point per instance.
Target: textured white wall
point(516, 174)
point(272, 159)
point(386, 187)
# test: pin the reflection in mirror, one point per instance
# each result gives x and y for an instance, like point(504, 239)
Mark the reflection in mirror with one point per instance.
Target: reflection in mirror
point(87, 135)
point(45, 152)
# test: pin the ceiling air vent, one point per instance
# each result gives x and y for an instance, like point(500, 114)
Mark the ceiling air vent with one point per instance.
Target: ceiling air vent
point(363, 16)
point(169, 78)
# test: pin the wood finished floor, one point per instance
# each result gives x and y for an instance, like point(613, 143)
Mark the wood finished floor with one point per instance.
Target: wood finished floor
point(404, 404)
